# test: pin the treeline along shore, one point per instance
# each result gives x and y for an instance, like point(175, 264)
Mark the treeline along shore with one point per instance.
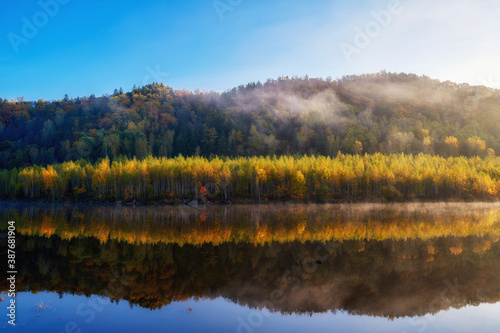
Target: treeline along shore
point(386, 177)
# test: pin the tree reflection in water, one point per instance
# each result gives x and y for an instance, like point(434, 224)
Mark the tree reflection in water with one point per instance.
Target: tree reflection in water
point(392, 262)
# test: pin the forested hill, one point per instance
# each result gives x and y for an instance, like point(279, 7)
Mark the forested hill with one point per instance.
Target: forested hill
point(384, 112)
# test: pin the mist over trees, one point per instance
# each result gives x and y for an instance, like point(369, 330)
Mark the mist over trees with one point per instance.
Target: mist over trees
point(383, 112)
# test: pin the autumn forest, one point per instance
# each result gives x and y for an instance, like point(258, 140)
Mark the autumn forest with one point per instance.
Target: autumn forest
point(381, 136)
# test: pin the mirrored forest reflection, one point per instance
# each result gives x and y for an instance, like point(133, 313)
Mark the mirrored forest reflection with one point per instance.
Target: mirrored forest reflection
point(380, 260)
point(256, 224)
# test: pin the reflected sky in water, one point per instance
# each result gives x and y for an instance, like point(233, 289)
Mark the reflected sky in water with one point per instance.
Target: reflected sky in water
point(95, 314)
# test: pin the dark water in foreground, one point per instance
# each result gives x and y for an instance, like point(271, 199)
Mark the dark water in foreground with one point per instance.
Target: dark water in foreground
point(353, 268)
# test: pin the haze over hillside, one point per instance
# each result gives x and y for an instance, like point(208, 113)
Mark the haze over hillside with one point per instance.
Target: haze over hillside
point(383, 112)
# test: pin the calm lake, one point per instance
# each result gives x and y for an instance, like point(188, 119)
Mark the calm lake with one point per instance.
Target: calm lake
point(432, 267)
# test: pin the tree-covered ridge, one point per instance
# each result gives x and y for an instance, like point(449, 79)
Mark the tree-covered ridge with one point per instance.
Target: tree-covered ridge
point(384, 112)
point(269, 224)
point(394, 177)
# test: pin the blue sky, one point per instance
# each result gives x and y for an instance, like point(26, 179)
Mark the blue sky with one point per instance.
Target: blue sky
point(86, 46)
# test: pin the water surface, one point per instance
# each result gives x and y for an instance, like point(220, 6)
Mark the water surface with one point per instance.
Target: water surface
point(342, 268)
